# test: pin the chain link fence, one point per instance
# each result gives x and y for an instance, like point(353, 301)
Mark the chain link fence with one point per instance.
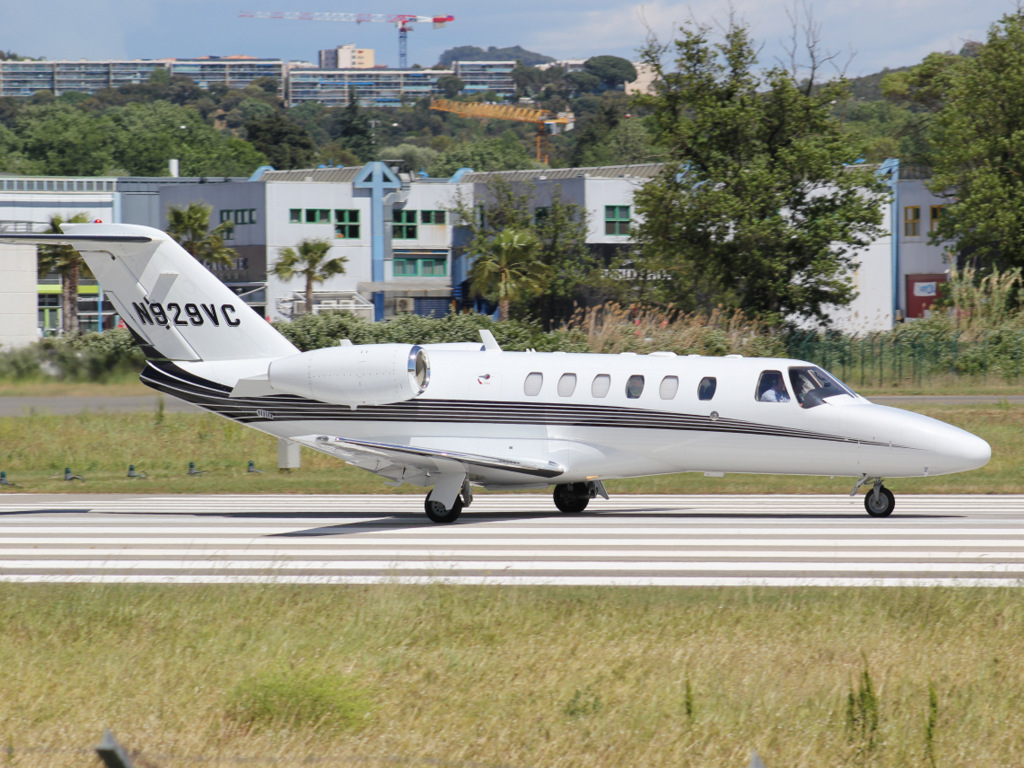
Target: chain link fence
point(915, 358)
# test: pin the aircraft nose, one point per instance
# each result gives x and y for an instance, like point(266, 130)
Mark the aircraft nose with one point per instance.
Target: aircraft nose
point(968, 451)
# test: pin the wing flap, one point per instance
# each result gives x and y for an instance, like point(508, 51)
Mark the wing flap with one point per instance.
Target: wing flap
point(407, 462)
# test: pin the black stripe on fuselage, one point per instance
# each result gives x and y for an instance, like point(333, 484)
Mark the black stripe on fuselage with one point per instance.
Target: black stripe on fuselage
point(169, 378)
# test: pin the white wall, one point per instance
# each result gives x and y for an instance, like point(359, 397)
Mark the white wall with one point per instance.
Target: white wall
point(17, 295)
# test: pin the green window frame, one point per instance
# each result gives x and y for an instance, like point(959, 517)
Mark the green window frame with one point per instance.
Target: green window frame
point(434, 267)
point(228, 232)
point(346, 224)
point(418, 266)
point(406, 267)
point(295, 216)
point(432, 217)
point(403, 226)
point(318, 216)
point(616, 219)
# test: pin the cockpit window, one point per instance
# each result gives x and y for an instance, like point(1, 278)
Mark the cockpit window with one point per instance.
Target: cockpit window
point(771, 388)
point(812, 385)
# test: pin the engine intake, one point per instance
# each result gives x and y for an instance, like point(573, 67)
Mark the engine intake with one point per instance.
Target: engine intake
point(370, 374)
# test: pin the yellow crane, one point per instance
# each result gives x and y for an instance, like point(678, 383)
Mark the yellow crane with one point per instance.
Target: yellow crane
point(546, 122)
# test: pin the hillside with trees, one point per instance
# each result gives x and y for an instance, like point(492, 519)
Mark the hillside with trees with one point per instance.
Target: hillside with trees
point(220, 131)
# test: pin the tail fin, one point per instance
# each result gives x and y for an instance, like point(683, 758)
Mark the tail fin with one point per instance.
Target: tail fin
point(171, 301)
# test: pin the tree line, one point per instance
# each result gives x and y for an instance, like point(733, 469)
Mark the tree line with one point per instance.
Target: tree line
point(761, 207)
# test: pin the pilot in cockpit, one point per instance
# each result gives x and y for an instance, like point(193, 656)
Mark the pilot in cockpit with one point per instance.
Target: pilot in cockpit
point(772, 389)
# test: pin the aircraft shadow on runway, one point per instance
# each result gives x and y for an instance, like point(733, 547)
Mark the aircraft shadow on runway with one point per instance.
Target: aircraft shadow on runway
point(398, 521)
point(46, 512)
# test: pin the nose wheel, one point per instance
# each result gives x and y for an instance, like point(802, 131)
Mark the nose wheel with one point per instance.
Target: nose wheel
point(879, 501)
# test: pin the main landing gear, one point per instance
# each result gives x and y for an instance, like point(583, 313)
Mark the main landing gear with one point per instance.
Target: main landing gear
point(573, 498)
point(439, 513)
point(879, 501)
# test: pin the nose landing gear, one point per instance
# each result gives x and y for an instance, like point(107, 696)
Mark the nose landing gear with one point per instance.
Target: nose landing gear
point(879, 501)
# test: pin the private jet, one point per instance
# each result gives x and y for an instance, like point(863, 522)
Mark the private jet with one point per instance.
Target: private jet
point(452, 417)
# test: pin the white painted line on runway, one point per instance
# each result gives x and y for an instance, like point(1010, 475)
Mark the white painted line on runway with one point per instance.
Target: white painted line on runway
point(524, 581)
point(271, 566)
point(741, 552)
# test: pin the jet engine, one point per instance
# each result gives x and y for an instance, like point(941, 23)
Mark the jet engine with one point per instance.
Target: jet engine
point(370, 374)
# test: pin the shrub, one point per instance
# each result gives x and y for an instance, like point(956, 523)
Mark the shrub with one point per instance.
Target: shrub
point(289, 700)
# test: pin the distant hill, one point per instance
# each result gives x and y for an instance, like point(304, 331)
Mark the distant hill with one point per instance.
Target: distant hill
point(869, 87)
point(473, 53)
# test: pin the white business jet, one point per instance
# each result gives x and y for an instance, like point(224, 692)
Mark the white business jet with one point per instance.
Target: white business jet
point(453, 416)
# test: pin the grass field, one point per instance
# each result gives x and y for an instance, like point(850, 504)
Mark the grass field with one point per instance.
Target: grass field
point(225, 676)
point(489, 676)
point(35, 449)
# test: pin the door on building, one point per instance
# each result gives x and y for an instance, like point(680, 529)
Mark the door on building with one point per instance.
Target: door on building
point(922, 290)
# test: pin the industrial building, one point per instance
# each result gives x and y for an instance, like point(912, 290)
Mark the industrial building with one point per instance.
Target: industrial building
point(405, 244)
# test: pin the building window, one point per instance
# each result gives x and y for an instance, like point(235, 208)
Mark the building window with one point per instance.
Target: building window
point(295, 216)
point(616, 219)
point(912, 221)
point(346, 224)
point(432, 217)
point(934, 217)
point(318, 216)
point(228, 233)
point(406, 267)
point(418, 266)
point(540, 215)
point(434, 267)
point(404, 225)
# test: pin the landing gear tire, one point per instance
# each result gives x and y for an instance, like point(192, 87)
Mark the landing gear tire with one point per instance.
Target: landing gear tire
point(880, 504)
point(572, 498)
point(438, 514)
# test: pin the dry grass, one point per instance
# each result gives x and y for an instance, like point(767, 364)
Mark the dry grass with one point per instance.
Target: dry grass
point(513, 676)
point(612, 328)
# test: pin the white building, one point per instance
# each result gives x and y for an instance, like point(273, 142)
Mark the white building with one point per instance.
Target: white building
point(405, 247)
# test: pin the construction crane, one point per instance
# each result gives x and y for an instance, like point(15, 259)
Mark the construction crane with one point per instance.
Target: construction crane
point(546, 122)
point(403, 21)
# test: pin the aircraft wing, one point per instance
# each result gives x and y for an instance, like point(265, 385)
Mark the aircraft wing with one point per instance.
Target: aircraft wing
point(416, 464)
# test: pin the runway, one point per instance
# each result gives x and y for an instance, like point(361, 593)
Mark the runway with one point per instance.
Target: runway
point(513, 539)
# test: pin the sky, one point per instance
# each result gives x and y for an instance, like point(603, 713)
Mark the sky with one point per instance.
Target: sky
point(865, 35)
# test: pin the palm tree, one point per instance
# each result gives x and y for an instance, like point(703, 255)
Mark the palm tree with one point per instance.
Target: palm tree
point(69, 264)
point(190, 228)
point(507, 267)
point(310, 262)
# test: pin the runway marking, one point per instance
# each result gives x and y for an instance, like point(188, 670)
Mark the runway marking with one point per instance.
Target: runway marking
point(513, 540)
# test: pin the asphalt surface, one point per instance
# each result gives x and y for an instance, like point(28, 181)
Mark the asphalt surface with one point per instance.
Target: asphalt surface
point(513, 539)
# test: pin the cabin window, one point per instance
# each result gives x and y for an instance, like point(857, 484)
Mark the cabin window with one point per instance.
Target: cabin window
point(669, 387)
point(634, 386)
point(567, 385)
point(812, 385)
point(533, 383)
point(771, 388)
point(601, 385)
point(706, 388)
